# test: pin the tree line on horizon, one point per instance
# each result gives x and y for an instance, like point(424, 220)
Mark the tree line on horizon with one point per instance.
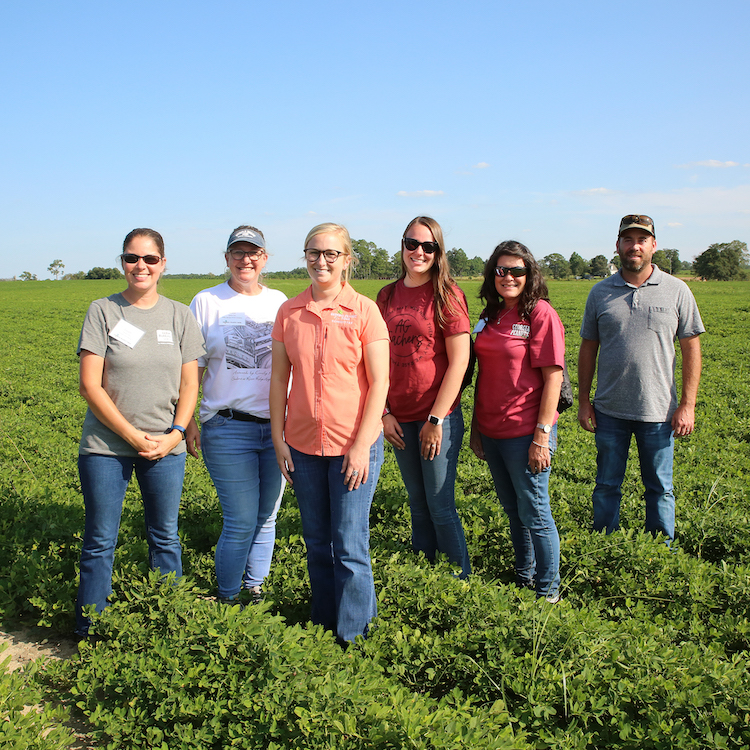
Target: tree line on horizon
point(727, 261)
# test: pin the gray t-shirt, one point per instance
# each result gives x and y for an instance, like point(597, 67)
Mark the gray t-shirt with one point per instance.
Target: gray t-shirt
point(636, 329)
point(143, 351)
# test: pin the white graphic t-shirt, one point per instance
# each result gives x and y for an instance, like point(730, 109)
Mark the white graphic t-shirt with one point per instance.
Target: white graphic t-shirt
point(237, 330)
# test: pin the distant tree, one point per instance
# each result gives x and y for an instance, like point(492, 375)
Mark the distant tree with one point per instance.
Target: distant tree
point(722, 261)
point(363, 252)
point(660, 259)
point(396, 265)
point(558, 266)
point(476, 266)
point(56, 268)
point(578, 266)
point(27, 276)
point(673, 256)
point(599, 266)
point(458, 261)
point(381, 264)
point(76, 275)
point(104, 273)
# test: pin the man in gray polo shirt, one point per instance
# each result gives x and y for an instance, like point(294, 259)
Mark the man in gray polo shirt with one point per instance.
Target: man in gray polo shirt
point(631, 321)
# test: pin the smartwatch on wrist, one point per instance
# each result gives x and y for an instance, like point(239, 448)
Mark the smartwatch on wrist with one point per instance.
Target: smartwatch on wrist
point(432, 419)
point(178, 428)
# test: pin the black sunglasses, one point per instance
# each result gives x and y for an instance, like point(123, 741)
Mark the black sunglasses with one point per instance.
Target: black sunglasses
point(515, 272)
point(428, 248)
point(150, 260)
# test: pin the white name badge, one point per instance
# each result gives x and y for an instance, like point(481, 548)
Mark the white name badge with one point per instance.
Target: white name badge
point(126, 333)
point(164, 337)
point(232, 319)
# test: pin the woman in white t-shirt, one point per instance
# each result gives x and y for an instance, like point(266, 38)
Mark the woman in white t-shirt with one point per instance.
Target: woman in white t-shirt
point(236, 318)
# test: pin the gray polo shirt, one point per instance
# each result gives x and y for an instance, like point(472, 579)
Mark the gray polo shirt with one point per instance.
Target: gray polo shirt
point(636, 329)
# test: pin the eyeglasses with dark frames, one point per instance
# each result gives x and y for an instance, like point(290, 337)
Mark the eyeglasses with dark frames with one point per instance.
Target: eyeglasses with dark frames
point(331, 256)
point(428, 248)
point(515, 271)
point(149, 260)
point(238, 254)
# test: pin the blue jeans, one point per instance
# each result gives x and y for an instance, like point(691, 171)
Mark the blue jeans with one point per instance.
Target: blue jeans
point(336, 527)
point(435, 525)
point(655, 441)
point(241, 460)
point(525, 497)
point(104, 480)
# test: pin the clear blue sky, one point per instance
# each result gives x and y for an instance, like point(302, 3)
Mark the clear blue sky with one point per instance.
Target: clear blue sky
point(538, 121)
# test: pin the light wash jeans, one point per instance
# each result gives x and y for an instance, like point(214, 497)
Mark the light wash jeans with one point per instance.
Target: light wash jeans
point(655, 441)
point(524, 495)
point(241, 460)
point(435, 524)
point(104, 480)
point(336, 527)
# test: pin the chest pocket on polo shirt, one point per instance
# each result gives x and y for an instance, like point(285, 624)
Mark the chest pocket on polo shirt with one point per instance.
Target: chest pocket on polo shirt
point(662, 319)
point(344, 346)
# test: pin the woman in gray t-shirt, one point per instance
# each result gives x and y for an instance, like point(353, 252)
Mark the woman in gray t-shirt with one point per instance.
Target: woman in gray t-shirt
point(139, 375)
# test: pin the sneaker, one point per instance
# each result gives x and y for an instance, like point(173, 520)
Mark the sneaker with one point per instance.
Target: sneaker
point(256, 594)
point(554, 599)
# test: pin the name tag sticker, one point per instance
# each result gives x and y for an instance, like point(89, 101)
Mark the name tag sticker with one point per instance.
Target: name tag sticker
point(126, 333)
point(232, 319)
point(164, 337)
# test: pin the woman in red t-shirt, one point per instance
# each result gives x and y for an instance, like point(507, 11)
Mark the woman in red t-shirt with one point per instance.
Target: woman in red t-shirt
point(520, 349)
point(428, 324)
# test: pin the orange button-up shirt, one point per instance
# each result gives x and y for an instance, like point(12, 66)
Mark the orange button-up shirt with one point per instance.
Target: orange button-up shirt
point(329, 383)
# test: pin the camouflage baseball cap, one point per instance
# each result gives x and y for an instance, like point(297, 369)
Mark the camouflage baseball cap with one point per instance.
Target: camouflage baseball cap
point(637, 221)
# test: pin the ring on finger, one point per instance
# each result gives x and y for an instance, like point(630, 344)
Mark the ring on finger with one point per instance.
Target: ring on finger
point(355, 472)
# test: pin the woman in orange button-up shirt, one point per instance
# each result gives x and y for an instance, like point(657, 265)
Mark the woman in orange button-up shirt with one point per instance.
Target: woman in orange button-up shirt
point(327, 432)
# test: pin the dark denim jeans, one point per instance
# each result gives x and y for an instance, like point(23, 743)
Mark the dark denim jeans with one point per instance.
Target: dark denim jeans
point(655, 441)
point(241, 460)
point(435, 524)
point(524, 495)
point(104, 480)
point(336, 527)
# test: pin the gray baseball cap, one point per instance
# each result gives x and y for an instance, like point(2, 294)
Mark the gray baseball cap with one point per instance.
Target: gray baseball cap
point(246, 235)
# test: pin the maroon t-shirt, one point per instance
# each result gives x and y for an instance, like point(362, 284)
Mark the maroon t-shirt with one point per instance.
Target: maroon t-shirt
point(510, 353)
point(418, 357)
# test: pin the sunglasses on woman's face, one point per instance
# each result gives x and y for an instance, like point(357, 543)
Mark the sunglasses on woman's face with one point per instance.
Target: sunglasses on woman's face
point(150, 260)
point(428, 248)
point(515, 272)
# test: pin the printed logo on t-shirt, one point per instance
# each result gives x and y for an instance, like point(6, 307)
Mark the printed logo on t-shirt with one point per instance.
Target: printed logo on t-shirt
point(248, 346)
point(411, 331)
point(522, 330)
point(343, 317)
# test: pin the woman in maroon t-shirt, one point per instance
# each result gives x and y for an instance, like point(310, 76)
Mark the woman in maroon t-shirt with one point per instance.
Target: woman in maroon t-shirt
point(428, 324)
point(520, 348)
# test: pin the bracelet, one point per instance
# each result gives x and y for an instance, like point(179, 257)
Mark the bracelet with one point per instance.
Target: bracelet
point(539, 444)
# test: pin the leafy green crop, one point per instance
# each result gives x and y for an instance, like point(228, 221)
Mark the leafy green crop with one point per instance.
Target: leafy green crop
point(648, 649)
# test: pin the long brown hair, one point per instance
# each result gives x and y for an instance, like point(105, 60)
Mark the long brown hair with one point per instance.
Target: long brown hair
point(443, 283)
point(534, 290)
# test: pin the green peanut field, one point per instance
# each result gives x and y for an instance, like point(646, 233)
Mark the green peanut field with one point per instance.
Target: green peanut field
point(648, 649)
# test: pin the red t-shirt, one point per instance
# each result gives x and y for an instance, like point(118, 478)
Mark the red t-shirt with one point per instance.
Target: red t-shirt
point(510, 353)
point(418, 357)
